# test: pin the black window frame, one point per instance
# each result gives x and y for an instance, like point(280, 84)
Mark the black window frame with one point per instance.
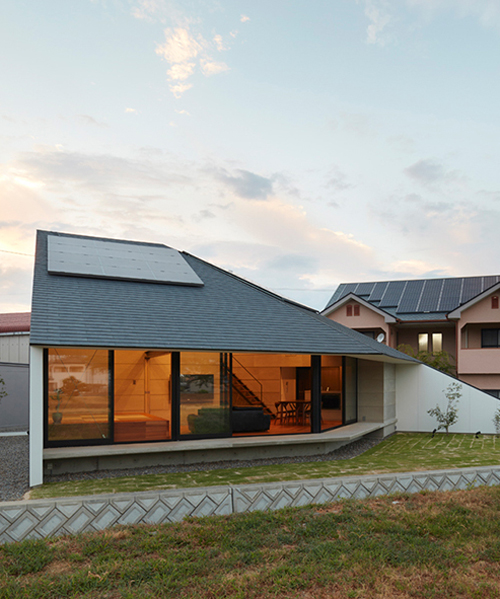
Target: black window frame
point(492, 331)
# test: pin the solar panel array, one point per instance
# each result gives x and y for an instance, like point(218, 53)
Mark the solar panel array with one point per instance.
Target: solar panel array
point(95, 258)
point(421, 296)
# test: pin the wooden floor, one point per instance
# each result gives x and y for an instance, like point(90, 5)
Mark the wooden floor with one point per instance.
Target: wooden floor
point(289, 429)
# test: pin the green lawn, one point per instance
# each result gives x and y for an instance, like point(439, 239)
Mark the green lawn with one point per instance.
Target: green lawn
point(400, 453)
point(425, 545)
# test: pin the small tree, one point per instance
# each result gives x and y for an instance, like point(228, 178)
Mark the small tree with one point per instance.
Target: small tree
point(496, 422)
point(3, 392)
point(450, 417)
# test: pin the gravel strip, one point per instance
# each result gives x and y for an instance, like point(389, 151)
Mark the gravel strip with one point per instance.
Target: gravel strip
point(14, 465)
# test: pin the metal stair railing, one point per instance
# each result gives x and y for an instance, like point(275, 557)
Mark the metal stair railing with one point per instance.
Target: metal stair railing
point(245, 392)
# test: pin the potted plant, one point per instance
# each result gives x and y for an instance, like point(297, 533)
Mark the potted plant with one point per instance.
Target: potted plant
point(57, 415)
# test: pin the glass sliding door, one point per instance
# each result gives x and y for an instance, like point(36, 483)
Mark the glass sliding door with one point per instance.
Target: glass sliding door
point(143, 404)
point(271, 394)
point(79, 396)
point(204, 394)
point(331, 392)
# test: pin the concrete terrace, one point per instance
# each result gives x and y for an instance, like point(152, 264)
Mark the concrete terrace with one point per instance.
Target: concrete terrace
point(131, 455)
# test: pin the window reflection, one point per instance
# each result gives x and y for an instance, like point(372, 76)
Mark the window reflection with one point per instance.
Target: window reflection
point(78, 394)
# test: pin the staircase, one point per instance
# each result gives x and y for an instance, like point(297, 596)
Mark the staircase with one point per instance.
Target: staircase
point(243, 396)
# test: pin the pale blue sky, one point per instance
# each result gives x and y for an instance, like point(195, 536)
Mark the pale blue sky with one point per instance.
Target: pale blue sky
point(299, 144)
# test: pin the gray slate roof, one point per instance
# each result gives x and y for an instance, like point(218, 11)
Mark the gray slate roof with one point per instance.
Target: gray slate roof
point(421, 299)
point(226, 314)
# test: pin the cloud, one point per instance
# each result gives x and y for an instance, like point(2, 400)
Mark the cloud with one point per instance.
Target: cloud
point(383, 15)
point(426, 171)
point(377, 12)
point(183, 51)
point(219, 43)
point(203, 215)
point(246, 184)
point(57, 169)
point(486, 11)
point(415, 269)
point(181, 72)
point(244, 18)
point(337, 180)
point(179, 46)
point(131, 111)
point(283, 249)
point(88, 120)
point(209, 67)
point(179, 88)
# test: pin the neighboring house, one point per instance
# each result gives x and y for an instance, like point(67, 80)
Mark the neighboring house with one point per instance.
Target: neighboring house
point(143, 355)
point(14, 370)
point(15, 337)
point(458, 315)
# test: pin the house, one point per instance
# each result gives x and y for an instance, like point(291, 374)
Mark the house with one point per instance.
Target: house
point(14, 337)
point(141, 354)
point(14, 370)
point(458, 315)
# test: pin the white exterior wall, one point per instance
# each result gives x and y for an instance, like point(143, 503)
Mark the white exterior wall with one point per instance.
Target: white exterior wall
point(15, 347)
point(420, 388)
point(36, 416)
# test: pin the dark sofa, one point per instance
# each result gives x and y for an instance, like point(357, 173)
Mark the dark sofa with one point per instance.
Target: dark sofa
point(249, 419)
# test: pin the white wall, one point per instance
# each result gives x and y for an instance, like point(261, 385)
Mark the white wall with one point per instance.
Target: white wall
point(15, 347)
point(36, 416)
point(420, 388)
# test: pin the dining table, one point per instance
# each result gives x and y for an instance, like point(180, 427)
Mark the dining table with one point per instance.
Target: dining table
point(293, 411)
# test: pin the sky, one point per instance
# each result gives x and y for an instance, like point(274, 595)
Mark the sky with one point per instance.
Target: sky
point(299, 144)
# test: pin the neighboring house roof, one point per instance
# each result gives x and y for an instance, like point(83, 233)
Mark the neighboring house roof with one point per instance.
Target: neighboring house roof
point(422, 299)
point(458, 311)
point(227, 313)
point(15, 322)
point(353, 297)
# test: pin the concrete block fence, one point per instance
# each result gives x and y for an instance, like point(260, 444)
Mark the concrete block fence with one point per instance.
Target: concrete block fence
point(37, 519)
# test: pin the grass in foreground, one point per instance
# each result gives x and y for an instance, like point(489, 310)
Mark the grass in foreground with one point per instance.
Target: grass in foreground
point(427, 545)
point(403, 452)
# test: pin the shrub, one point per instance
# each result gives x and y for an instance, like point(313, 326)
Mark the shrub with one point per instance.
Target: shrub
point(450, 416)
point(440, 360)
point(496, 422)
point(3, 392)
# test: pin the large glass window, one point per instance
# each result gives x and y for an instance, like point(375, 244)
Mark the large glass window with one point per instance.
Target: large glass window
point(204, 394)
point(271, 394)
point(338, 391)
point(331, 391)
point(143, 405)
point(79, 402)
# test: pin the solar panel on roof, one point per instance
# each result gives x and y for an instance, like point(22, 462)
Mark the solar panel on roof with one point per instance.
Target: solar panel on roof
point(489, 281)
point(472, 287)
point(364, 289)
point(378, 291)
point(450, 295)
point(431, 295)
point(392, 294)
point(118, 260)
point(411, 296)
point(349, 288)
